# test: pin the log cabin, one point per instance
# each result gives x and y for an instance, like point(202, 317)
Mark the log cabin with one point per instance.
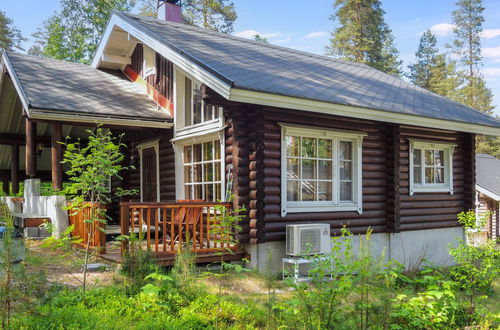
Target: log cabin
point(292, 137)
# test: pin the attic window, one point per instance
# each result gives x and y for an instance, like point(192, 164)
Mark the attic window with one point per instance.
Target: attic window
point(431, 166)
point(149, 61)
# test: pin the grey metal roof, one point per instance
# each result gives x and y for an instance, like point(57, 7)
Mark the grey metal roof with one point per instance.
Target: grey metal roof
point(488, 173)
point(75, 88)
point(250, 65)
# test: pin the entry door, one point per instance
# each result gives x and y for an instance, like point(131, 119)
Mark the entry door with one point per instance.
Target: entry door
point(149, 175)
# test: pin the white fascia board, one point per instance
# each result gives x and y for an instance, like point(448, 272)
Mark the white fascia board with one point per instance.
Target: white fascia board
point(245, 96)
point(488, 193)
point(180, 61)
point(43, 115)
point(20, 91)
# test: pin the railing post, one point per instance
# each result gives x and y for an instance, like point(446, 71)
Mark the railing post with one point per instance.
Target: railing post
point(124, 226)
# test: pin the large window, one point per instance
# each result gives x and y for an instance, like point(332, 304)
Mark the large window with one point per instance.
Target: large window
point(203, 171)
point(197, 111)
point(431, 166)
point(321, 170)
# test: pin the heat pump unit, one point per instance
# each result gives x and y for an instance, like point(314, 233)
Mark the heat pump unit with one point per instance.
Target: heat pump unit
point(307, 239)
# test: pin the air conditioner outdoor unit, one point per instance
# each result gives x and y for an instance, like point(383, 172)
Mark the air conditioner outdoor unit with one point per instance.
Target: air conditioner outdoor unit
point(307, 239)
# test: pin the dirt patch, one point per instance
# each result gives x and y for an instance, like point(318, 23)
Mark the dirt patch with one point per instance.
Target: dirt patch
point(67, 268)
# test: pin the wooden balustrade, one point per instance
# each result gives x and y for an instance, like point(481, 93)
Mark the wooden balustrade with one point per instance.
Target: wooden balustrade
point(82, 229)
point(165, 227)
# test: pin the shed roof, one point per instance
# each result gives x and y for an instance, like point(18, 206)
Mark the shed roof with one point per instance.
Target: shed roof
point(256, 66)
point(488, 173)
point(76, 89)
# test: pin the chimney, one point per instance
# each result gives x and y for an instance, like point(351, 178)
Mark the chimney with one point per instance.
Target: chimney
point(170, 10)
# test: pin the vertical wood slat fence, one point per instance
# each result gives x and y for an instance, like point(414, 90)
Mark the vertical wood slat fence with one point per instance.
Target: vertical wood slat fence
point(81, 229)
point(165, 227)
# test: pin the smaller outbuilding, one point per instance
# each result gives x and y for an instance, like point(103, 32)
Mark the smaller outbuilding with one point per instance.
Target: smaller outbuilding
point(488, 191)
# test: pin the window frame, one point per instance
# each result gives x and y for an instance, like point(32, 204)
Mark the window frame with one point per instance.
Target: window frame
point(356, 138)
point(149, 61)
point(217, 109)
point(425, 145)
point(179, 144)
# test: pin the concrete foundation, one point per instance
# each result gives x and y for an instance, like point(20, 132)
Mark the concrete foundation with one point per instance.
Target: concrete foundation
point(410, 248)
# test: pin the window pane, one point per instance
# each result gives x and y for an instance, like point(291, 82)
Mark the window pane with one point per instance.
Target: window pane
point(292, 191)
point(209, 192)
point(345, 191)
point(325, 170)
point(187, 154)
point(309, 190)
point(345, 170)
point(309, 169)
point(217, 149)
point(439, 175)
point(217, 171)
point(187, 192)
point(187, 105)
point(208, 112)
point(208, 151)
point(293, 145)
point(197, 192)
point(196, 104)
point(345, 150)
point(417, 174)
point(439, 158)
point(325, 148)
point(218, 194)
point(209, 172)
point(197, 173)
point(197, 153)
point(417, 156)
point(309, 147)
point(325, 191)
point(293, 169)
point(429, 175)
point(187, 174)
point(429, 157)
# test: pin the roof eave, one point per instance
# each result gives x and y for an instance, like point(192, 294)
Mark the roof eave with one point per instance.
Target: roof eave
point(274, 100)
point(488, 193)
point(199, 71)
point(44, 114)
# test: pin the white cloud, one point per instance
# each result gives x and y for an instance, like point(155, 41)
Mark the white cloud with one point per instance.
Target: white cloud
point(490, 33)
point(281, 41)
point(491, 52)
point(442, 29)
point(316, 34)
point(491, 72)
point(497, 60)
point(250, 34)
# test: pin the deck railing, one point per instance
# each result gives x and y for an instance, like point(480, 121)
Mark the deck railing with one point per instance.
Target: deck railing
point(165, 227)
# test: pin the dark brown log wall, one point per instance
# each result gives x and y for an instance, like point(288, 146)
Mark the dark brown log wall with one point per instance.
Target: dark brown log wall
point(163, 80)
point(437, 210)
point(387, 206)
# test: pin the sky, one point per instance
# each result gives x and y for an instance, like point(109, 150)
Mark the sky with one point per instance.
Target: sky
point(306, 25)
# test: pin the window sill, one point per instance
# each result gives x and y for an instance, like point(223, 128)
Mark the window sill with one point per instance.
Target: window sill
point(207, 125)
point(424, 189)
point(314, 209)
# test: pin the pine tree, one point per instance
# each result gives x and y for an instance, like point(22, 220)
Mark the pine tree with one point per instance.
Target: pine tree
point(216, 15)
point(443, 77)
point(420, 72)
point(468, 20)
point(363, 36)
point(73, 33)
point(258, 37)
point(149, 8)
point(10, 36)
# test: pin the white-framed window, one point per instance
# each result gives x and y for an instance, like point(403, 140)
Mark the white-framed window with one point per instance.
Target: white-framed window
point(200, 167)
point(320, 169)
point(149, 61)
point(431, 166)
point(196, 110)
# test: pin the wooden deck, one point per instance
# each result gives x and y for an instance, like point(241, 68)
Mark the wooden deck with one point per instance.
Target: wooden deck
point(163, 228)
